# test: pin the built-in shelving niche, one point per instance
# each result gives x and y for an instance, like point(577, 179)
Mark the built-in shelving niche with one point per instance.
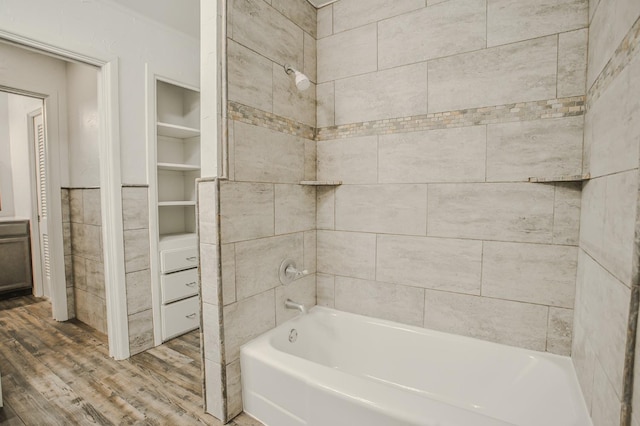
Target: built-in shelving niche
point(178, 160)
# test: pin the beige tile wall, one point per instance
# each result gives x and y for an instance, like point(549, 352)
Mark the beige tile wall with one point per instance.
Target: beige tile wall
point(265, 215)
point(441, 228)
point(503, 252)
point(85, 253)
point(135, 217)
point(607, 261)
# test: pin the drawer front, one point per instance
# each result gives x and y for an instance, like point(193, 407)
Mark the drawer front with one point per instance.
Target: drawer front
point(178, 259)
point(10, 229)
point(180, 317)
point(179, 285)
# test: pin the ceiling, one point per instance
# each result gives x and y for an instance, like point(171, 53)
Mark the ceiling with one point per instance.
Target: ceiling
point(182, 15)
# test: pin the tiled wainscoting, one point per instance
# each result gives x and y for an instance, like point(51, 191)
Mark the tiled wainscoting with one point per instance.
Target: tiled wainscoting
point(84, 267)
point(135, 218)
point(84, 264)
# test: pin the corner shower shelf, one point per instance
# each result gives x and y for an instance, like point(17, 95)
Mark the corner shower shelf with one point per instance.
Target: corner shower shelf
point(176, 203)
point(176, 131)
point(321, 182)
point(178, 167)
point(571, 178)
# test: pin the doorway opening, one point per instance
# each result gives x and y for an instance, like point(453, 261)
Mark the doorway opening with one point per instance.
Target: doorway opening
point(30, 189)
point(79, 134)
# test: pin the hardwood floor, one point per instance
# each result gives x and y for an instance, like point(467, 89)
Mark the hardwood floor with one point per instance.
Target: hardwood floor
point(57, 373)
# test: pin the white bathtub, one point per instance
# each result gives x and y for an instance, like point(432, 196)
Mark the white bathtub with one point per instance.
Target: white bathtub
point(351, 370)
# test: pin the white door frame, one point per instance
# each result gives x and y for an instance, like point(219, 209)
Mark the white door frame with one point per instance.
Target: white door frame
point(111, 195)
point(36, 250)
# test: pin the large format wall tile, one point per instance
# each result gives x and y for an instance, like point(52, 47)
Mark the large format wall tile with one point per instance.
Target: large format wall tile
point(325, 287)
point(295, 208)
point(347, 253)
point(349, 160)
point(262, 29)
point(228, 259)
point(435, 263)
point(75, 206)
point(612, 130)
point(534, 273)
point(209, 274)
point(448, 155)
point(258, 262)
point(246, 211)
point(592, 210)
point(348, 53)
point(300, 12)
point(310, 251)
point(400, 92)
point(135, 207)
point(510, 21)
point(381, 300)
point(392, 209)
point(432, 32)
point(520, 212)
point(247, 319)
point(539, 148)
point(325, 204)
point(572, 63)
point(250, 77)
point(608, 221)
point(600, 296)
point(606, 406)
point(264, 155)
point(609, 25)
point(519, 72)
point(140, 331)
point(560, 331)
point(352, 14)
point(91, 207)
point(501, 321)
point(234, 389)
point(310, 58)
point(136, 250)
point(325, 21)
point(620, 217)
point(566, 213)
point(325, 104)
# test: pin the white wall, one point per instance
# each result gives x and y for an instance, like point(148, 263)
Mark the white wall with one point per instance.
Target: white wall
point(6, 177)
point(82, 116)
point(19, 108)
point(105, 31)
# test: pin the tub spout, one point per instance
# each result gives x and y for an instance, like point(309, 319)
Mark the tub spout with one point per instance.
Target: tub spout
point(290, 304)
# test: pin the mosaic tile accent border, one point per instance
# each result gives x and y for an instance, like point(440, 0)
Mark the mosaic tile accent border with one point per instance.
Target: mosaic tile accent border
point(523, 111)
point(257, 117)
point(626, 51)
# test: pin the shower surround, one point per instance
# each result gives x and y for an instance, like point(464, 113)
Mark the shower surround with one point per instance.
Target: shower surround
point(434, 115)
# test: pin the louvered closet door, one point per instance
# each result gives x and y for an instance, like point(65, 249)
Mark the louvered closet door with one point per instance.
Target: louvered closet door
point(41, 183)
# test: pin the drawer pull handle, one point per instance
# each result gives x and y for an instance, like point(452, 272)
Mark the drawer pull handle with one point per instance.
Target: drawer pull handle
point(192, 284)
point(191, 316)
point(192, 258)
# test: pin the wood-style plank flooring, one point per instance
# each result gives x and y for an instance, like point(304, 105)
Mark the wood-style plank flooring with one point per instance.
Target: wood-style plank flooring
point(60, 373)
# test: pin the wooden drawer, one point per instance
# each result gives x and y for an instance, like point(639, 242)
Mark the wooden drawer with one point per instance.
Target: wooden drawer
point(178, 259)
point(180, 317)
point(179, 285)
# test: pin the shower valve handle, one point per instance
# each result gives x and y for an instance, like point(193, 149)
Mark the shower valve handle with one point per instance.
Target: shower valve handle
point(296, 273)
